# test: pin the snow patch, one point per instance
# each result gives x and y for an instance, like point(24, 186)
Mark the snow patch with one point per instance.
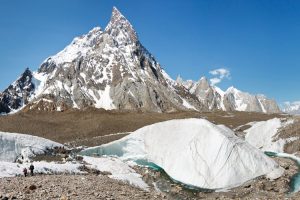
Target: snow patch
point(8, 169)
point(119, 170)
point(105, 100)
point(39, 81)
point(262, 106)
point(187, 104)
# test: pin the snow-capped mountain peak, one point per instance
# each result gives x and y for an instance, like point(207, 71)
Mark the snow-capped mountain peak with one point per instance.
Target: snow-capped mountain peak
point(203, 78)
point(232, 89)
point(185, 83)
point(121, 29)
point(107, 69)
point(111, 69)
point(179, 80)
point(291, 107)
point(203, 82)
point(230, 100)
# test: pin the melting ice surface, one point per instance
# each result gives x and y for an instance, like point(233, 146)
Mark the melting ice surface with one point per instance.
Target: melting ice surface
point(194, 152)
point(263, 135)
point(13, 145)
point(295, 180)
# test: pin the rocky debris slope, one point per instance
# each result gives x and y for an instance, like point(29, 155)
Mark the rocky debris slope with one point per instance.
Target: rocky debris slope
point(111, 69)
point(230, 100)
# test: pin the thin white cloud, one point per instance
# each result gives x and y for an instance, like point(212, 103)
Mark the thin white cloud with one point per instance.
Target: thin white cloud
point(221, 73)
point(215, 81)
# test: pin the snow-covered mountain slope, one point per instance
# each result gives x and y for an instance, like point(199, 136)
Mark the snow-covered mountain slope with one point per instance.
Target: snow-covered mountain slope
point(14, 145)
point(194, 152)
point(230, 100)
point(292, 108)
point(107, 69)
point(235, 99)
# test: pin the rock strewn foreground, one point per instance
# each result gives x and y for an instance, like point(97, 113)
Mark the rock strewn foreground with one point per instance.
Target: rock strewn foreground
point(70, 187)
point(92, 186)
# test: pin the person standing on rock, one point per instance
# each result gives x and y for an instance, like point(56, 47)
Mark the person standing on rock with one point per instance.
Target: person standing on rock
point(25, 171)
point(31, 168)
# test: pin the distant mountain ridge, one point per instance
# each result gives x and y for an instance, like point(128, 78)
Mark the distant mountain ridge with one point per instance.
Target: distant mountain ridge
point(111, 69)
point(292, 108)
point(230, 100)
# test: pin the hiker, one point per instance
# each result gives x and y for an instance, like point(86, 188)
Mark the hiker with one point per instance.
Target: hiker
point(25, 171)
point(31, 168)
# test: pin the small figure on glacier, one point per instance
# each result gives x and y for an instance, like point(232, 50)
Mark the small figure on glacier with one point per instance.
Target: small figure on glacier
point(31, 168)
point(25, 171)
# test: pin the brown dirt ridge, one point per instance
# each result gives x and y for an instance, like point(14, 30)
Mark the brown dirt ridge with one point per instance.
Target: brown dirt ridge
point(85, 127)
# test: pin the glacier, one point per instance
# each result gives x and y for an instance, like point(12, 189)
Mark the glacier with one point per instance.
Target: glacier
point(14, 145)
point(194, 152)
point(264, 135)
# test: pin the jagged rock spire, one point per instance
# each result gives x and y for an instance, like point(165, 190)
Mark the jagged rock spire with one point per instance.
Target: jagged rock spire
point(179, 80)
point(203, 83)
point(120, 26)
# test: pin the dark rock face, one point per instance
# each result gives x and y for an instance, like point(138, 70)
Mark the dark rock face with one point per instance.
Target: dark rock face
point(18, 93)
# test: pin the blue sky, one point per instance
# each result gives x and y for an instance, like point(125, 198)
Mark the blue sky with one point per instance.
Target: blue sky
point(257, 41)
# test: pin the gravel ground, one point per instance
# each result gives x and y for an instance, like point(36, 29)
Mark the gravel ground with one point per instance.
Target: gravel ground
point(70, 187)
point(94, 186)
